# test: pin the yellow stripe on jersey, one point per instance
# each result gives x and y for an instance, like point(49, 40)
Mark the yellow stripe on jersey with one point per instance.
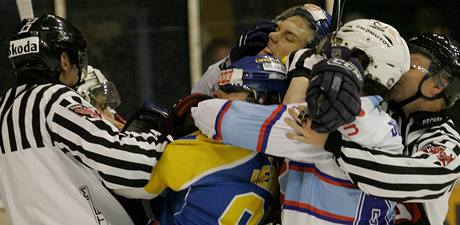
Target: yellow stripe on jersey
point(185, 161)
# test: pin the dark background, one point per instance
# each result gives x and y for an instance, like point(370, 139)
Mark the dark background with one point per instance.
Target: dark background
point(142, 46)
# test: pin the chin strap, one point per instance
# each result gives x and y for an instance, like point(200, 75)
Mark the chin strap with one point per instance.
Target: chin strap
point(419, 94)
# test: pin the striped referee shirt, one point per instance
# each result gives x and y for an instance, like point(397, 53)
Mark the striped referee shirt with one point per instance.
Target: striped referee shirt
point(33, 117)
point(56, 145)
point(52, 119)
point(425, 172)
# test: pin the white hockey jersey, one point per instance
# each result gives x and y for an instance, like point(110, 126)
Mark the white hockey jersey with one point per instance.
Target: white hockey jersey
point(315, 190)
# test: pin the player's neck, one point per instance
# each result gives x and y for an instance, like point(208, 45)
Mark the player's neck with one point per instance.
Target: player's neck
point(424, 105)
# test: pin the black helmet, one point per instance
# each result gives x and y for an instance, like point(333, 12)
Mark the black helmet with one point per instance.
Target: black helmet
point(39, 42)
point(444, 53)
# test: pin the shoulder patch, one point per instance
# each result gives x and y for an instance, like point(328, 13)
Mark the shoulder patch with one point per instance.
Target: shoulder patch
point(439, 151)
point(85, 111)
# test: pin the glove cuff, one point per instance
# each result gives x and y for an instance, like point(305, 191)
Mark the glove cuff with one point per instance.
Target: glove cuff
point(334, 143)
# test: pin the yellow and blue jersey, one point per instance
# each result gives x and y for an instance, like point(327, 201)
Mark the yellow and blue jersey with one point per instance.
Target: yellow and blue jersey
point(208, 182)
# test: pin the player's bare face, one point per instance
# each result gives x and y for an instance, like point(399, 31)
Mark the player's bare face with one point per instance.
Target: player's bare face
point(407, 86)
point(291, 34)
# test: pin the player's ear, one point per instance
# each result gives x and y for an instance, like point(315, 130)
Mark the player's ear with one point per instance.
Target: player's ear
point(64, 60)
point(433, 87)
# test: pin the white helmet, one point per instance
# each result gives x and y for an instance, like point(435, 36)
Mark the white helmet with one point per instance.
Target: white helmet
point(387, 51)
point(97, 90)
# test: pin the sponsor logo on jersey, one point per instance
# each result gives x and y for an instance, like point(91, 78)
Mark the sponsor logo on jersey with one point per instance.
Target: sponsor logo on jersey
point(431, 120)
point(85, 111)
point(23, 47)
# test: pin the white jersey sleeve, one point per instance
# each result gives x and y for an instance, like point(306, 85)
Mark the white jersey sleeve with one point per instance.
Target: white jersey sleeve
point(263, 129)
point(257, 127)
point(373, 127)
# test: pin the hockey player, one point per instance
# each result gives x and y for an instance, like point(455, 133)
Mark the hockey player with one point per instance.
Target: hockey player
point(58, 155)
point(427, 170)
point(315, 190)
point(298, 27)
point(213, 183)
point(102, 94)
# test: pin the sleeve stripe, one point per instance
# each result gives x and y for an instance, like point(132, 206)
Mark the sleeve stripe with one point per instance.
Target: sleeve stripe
point(139, 183)
point(400, 186)
point(85, 135)
point(77, 99)
point(102, 159)
point(403, 169)
point(104, 126)
point(219, 118)
point(267, 126)
point(54, 98)
point(437, 134)
point(64, 103)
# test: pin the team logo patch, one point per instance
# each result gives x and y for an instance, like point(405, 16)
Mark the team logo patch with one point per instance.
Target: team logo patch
point(439, 151)
point(85, 111)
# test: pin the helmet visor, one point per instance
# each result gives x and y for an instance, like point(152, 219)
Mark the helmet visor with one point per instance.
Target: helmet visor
point(104, 95)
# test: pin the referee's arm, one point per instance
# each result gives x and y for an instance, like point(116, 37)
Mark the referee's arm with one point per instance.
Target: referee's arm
point(123, 161)
point(426, 175)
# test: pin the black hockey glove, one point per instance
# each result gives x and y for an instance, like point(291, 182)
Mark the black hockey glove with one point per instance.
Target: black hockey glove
point(180, 116)
point(333, 94)
point(252, 41)
point(147, 118)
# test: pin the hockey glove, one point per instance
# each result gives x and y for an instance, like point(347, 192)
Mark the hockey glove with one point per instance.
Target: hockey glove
point(333, 94)
point(253, 40)
point(147, 118)
point(180, 116)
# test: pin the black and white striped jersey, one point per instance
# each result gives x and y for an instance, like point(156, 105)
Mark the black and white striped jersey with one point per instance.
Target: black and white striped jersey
point(57, 154)
point(425, 173)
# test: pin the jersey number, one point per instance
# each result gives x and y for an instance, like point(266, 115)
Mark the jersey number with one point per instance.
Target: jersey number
point(245, 209)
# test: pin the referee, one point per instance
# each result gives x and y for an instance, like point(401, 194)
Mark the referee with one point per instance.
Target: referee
point(58, 155)
point(430, 165)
